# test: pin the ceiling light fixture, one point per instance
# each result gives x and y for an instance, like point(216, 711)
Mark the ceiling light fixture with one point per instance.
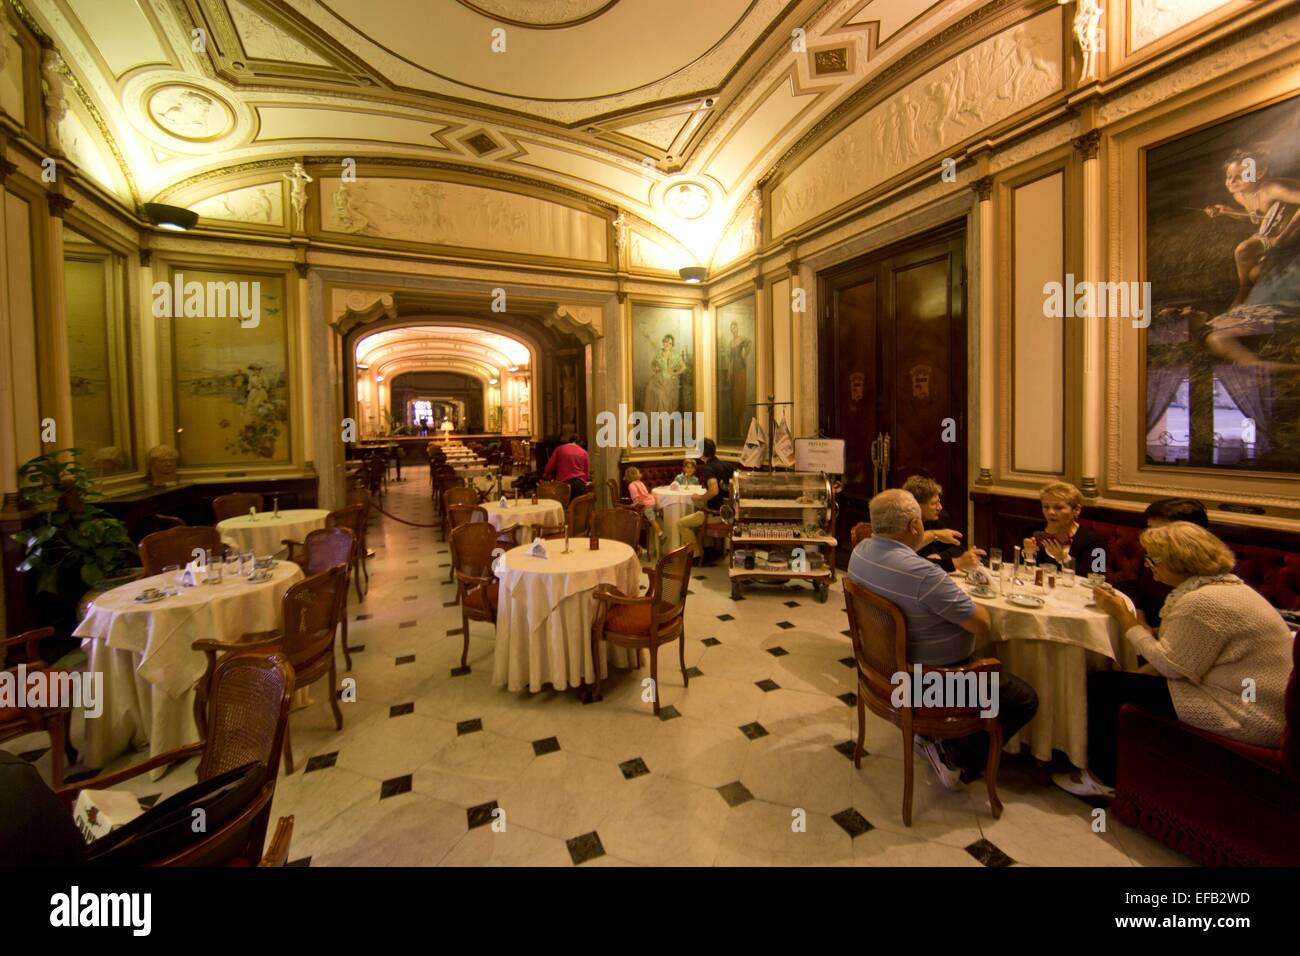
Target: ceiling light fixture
point(362, 368)
point(693, 274)
point(171, 218)
point(493, 381)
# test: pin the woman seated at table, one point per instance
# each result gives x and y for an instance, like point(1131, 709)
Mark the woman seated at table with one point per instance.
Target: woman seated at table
point(1217, 632)
point(942, 545)
point(687, 475)
point(1064, 537)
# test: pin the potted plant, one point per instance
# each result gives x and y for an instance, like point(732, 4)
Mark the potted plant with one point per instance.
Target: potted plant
point(72, 539)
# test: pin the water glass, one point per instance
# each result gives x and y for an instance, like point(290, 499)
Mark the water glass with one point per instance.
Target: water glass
point(172, 579)
point(1049, 576)
point(995, 560)
point(1031, 575)
point(1067, 574)
point(1096, 579)
point(247, 564)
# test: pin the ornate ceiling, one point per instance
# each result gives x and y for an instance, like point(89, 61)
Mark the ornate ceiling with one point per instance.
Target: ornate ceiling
point(485, 355)
point(669, 110)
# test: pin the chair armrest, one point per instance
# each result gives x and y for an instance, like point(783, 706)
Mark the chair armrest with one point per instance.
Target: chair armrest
point(989, 664)
point(607, 593)
point(32, 639)
point(471, 581)
point(245, 642)
point(109, 780)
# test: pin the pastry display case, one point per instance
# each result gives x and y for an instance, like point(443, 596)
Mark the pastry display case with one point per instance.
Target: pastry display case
point(782, 529)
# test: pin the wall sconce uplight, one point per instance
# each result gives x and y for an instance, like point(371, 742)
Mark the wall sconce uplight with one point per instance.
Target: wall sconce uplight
point(171, 218)
point(693, 274)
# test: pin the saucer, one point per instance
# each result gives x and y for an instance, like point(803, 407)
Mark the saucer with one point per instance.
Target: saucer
point(142, 599)
point(983, 592)
point(1026, 600)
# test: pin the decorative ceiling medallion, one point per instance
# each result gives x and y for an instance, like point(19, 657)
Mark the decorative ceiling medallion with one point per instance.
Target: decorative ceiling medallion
point(544, 14)
point(190, 113)
point(482, 143)
point(835, 60)
point(687, 200)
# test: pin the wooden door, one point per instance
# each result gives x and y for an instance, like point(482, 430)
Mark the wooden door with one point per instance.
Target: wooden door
point(892, 372)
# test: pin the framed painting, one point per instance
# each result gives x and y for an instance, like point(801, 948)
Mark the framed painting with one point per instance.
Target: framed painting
point(736, 379)
point(1221, 358)
point(663, 359)
point(232, 376)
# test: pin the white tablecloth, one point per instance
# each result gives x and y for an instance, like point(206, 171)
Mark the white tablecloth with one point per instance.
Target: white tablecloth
point(150, 669)
point(1053, 648)
point(546, 514)
point(676, 502)
point(545, 612)
point(262, 535)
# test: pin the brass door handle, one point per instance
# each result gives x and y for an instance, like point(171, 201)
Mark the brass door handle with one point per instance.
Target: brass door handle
point(880, 462)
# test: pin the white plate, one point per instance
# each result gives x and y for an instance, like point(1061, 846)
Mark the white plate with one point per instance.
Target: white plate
point(141, 599)
point(1026, 600)
point(983, 593)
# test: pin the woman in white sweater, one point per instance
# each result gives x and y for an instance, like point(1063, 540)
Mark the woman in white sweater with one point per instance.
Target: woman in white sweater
point(1220, 663)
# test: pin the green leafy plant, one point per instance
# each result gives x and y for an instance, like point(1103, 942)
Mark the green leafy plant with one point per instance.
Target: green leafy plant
point(393, 424)
point(71, 535)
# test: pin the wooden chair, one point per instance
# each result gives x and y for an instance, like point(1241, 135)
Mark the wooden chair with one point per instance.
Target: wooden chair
point(616, 499)
point(277, 854)
point(620, 524)
point(164, 522)
point(649, 621)
point(323, 549)
point(579, 513)
point(247, 721)
point(55, 721)
point(879, 633)
point(458, 515)
point(455, 495)
point(354, 518)
point(861, 531)
point(235, 504)
point(359, 496)
point(311, 610)
point(476, 584)
point(176, 546)
point(556, 491)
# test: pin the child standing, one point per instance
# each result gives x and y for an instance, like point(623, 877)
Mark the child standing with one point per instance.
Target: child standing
point(643, 499)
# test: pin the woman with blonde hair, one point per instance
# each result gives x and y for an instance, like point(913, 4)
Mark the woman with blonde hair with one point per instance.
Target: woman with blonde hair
point(643, 498)
point(1220, 663)
point(1064, 537)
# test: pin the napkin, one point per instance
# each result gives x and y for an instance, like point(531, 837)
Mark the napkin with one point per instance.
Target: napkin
point(504, 503)
point(538, 550)
point(193, 574)
point(979, 576)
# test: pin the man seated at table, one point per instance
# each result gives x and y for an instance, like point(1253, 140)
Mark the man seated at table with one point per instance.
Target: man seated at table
point(942, 545)
point(569, 464)
point(943, 624)
point(715, 476)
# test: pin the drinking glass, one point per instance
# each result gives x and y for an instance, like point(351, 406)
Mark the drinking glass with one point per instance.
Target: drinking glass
point(1049, 576)
point(247, 564)
point(1031, 575)
point(1096, 579)
point(995, 560)
point(172, 579)
point(1067, 574)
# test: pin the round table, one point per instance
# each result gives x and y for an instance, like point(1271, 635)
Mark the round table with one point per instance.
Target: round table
point(1053, 648)
point(262, 533)
point(676, 502)
point(541, 516)
point(545, 611)
point(150, 668)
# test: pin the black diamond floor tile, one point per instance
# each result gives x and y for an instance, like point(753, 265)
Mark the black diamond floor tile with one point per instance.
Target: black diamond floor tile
point(149, 800)
point(454, 631)
point(391, 788)
point(767, 685)
point(847, 747)
point(480, 815)
point(694, 672)
point(754, 731)
point(849, 698)
point(321, 761)
point(31, 756)
point(407, 624)
point(988, 854)
point(784, 625)
point(363, 617)
point(547, 745)
point(301, 861)
point(460, 671)
point(848, 661)
point(725, 617)
point(448, 603)
point(710, 642)
point(633, 768)
point(401, 710)
point(852, 822)
point(777, 651)
point(585, 847)
point(464, 727)
point(735, 793)
point(793, 604)
point(406, 659)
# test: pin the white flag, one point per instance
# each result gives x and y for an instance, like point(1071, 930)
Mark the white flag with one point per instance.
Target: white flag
point(755, 451)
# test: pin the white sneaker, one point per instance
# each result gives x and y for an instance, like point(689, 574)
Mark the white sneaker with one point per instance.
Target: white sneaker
point(1082, 783)
point(950, 778)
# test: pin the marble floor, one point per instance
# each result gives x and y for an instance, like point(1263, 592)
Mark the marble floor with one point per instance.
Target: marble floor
point(751, 765)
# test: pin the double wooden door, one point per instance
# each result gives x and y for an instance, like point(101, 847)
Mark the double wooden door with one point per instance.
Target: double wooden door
point(892, 372)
